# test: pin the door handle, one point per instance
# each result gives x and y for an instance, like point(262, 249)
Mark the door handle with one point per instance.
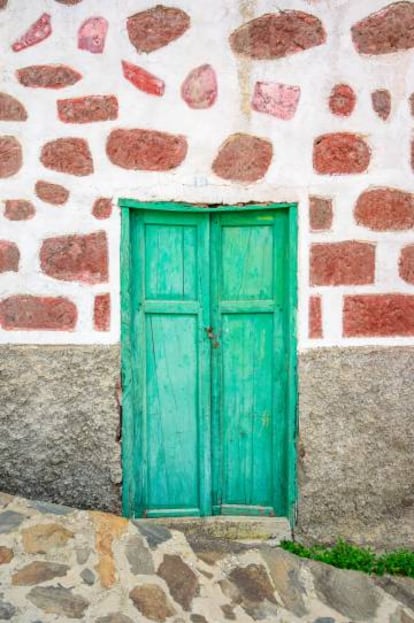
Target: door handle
point(213, 337)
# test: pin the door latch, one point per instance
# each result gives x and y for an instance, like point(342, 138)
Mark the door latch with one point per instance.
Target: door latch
point(213, 337)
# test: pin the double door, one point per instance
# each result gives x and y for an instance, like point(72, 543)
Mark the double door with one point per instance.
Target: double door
point(210, 362)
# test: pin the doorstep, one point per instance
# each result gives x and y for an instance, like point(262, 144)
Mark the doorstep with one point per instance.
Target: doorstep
point(234, 528)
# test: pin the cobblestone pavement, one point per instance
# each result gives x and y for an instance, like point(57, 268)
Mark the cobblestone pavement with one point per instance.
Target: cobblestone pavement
point(62, 564)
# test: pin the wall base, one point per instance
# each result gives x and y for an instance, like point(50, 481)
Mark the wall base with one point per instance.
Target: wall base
point(59, 430)
point(356, 476)
point(59, 424)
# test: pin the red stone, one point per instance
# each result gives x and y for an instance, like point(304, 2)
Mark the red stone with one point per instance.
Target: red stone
point(142, 79)
point(76, 257)
point(38, 313)
point(156, 27)
point(275, 35)
point(69, 2)
point(243, 158)
point(412, 154)
point(102, 312)
point(11, 156)
point(68, 155)
point(3, 4)
point(320, 213)
point(340, 153)
point(19, 210)
point(102, 208)
point(146, 150)
point(378, 315)
point(406, 264)
point(389, 30)
point(383, 209)
point(11, 109)
point(342, 100)
point(40, 30)
point(88, 109)
point(342, 263)
point(199, 89)
point(92, 35)
point(381, 103)
point(315, 317)
point(411, 100)
point(51, 193)
point(48, 76)
point(9, 256)
point(279, 100)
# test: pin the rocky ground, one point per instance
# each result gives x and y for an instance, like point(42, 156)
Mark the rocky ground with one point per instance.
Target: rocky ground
point(62, 564)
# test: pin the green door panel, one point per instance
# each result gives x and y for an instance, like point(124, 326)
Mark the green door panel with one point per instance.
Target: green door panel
point(171, 266)
point(246, 438)
point(172, 411)
point(247, 267)
point(208, 329)
point(170, 260)
point(249, 304)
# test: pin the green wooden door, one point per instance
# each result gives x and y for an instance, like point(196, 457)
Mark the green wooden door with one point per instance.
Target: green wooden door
point(249, 362)
point(208, 355)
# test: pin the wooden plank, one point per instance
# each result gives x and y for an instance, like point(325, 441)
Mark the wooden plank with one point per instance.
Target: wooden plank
point(237, 510)
point(137, 281)
point(280, 368)
point(125, 202)
point(172, 307)
point(127, 447)
point(292, 414)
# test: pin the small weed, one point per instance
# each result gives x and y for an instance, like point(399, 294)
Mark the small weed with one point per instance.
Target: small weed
point(347, 556)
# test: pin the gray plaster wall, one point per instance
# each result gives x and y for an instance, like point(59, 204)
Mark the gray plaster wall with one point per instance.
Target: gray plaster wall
point(59, 424)
point(356, 449)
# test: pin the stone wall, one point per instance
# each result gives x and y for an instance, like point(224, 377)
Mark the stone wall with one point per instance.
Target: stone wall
point(309, 101)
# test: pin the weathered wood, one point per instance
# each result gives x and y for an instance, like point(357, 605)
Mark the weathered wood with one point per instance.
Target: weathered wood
point(208, 360)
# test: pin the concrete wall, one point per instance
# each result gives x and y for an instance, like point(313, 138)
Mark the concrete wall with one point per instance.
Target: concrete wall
point(60, 424)
point(356, 477)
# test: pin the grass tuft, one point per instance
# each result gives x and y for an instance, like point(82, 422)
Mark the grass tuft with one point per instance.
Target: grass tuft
point(346, 556)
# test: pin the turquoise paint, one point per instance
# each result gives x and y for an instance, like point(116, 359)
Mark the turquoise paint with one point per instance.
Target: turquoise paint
point(185, 270)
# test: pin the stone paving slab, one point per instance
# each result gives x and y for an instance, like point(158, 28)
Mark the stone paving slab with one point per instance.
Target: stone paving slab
point(62, 564)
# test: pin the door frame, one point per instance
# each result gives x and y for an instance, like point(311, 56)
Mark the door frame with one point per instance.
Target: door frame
point(130, 359)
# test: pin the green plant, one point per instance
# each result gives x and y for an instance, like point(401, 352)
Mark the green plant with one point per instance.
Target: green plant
point(346, 556)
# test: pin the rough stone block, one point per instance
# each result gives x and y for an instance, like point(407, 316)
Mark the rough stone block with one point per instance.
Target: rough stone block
point(378, 315)
point(146, 150)
point(383, 209)
point(156, 27)
point(243, 158)
point(340, 153)
point(76, 257)
point(342, 263)
point(276, 35)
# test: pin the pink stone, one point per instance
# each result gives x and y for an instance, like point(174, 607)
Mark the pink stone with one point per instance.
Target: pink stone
point(92, 35)
point(40, 30)
point(279, 100)
point(142, 79)
point(199, 89)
